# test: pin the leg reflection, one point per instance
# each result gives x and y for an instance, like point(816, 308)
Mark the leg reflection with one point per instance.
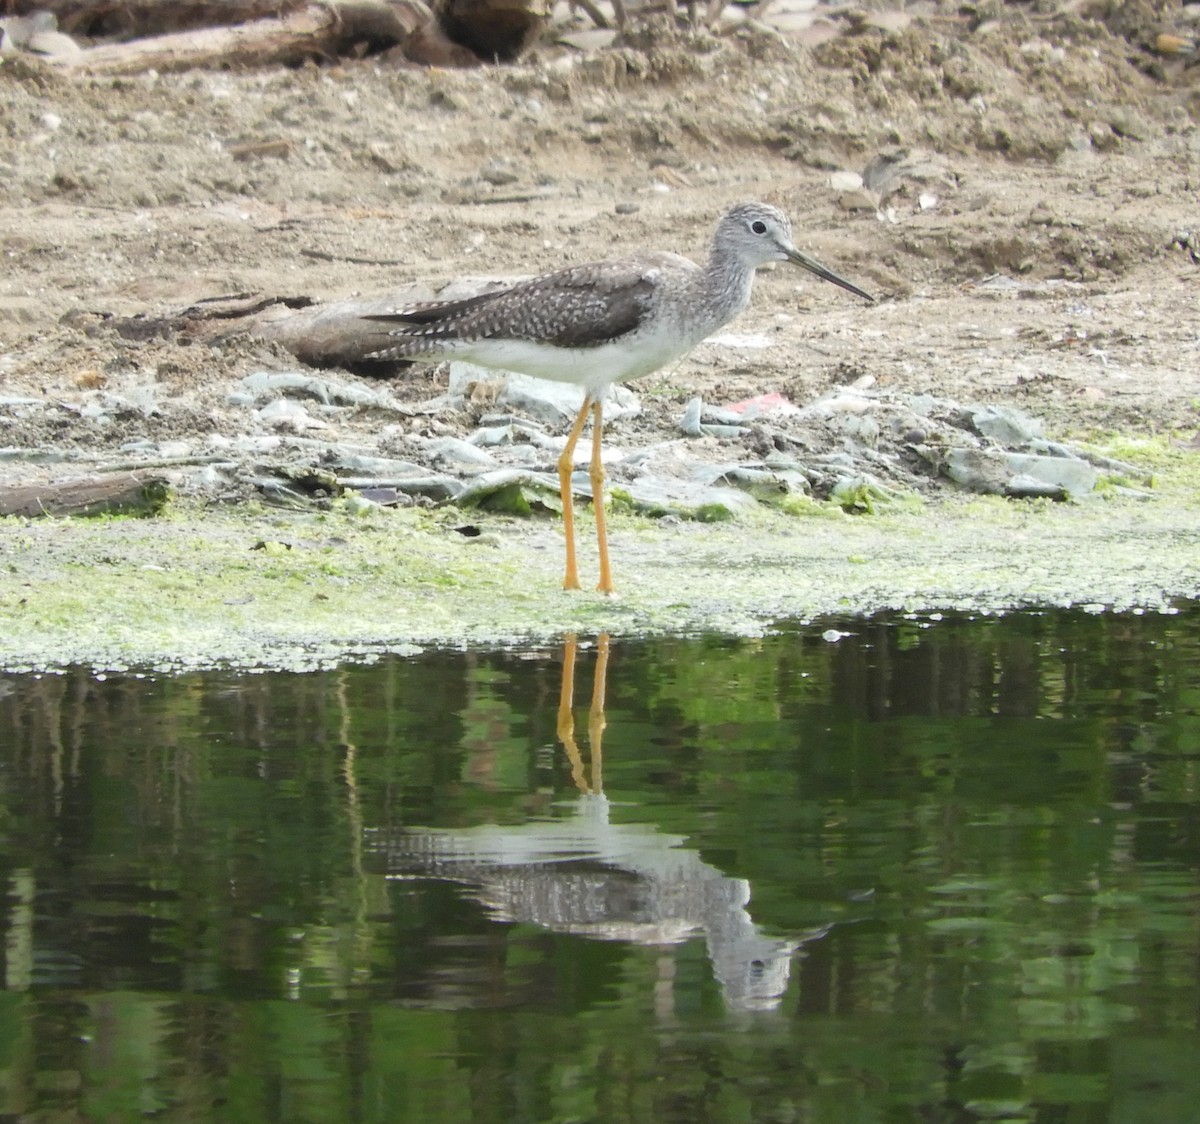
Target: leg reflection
point(594, 785)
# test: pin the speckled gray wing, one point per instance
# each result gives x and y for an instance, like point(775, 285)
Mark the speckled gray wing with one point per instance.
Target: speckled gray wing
point(577, 307)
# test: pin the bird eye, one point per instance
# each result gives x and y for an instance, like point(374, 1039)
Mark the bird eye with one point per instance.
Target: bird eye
point(758, 226)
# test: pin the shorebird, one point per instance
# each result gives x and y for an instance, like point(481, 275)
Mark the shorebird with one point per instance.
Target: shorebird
point(602, 323)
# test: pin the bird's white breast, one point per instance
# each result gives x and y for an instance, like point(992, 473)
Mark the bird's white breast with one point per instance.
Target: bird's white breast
point(593, 368)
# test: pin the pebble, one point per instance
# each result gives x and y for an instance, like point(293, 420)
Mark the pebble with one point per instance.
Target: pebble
point(492, 435)
point(526, 455)
point(433, 486)
point(380, 466)
point(286, 414)
point(359, 504)
point(862, 200)
point(689, 423)
point(1006, 425)
point(845, 181)
point(328, 391)
point(456, 450)
point(499, 172)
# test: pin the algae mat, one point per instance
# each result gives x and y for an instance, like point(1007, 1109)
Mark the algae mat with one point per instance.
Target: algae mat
point(245, 588)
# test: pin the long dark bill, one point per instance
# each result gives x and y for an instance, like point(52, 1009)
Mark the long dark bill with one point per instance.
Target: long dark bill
point(814, 266)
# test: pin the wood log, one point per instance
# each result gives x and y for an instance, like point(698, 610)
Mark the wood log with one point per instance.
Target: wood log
point(335, 334)
point(314, 31)
point(162, 35)
point(119, 493)
point(131, 19)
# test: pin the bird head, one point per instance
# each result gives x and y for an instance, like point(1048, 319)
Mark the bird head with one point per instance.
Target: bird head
point(759, 233)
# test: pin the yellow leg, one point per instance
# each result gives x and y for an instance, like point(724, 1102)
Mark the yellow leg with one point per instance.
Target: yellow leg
point(597, 474)
point(566, 464)
point(566, 713)
point(596, 720)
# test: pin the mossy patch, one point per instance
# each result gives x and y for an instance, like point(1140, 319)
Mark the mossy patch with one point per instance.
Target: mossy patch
point(190, 590)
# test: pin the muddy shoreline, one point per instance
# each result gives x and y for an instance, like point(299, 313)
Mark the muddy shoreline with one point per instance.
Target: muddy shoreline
point(270, 590)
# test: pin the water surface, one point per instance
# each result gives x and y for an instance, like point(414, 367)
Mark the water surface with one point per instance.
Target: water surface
point(904, 869)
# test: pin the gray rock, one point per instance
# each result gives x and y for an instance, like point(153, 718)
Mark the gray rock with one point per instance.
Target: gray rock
point(1108, 464)
point(863, 492)
point(1075, 477)
point(1006, 425)
point(135, 399)
point(365, 464)
point(490, 436)
point(659, 496)
point(689, 423)
point(504, 483)
point(860, 427)
point(284, 413)
point(550, 402)
point(761, 483)
point(434, 486)
point(327, 391)
point(994, 472)
point(715, 415)
point(525, 455)
point(456, 451)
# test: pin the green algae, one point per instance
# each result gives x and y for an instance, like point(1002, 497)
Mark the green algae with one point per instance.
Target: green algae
point(248, 587)
point(713, 513)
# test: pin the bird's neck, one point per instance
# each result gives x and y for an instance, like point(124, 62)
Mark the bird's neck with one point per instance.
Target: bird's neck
point(727, 283)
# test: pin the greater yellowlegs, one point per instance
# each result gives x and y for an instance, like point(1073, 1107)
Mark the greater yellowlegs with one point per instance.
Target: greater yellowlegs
point(602, 323)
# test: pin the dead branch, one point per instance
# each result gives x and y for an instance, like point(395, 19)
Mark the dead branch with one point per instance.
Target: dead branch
point(337, 334)
point(314, 31)
point(123, 493)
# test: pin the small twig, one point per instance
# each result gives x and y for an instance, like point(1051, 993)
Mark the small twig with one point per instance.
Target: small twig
point(595, 15)
point(325, 255)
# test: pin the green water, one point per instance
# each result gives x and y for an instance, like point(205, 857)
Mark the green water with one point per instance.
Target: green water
point(897, 870)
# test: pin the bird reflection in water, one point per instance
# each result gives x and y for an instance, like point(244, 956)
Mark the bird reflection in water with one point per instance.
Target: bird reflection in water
point(596, 720)
point(581, 873)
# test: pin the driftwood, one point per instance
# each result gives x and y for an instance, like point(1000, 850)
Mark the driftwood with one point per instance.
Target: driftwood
point(311, 32)
point(128, 19)
point(121, 493)
point(141, 35)
point(329, 335)
point(336, 334)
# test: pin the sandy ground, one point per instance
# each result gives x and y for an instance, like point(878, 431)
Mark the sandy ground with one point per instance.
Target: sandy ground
point(1032, 247)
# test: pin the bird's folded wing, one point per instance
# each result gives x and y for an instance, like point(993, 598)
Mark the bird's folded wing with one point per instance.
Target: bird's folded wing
point(579, 306)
